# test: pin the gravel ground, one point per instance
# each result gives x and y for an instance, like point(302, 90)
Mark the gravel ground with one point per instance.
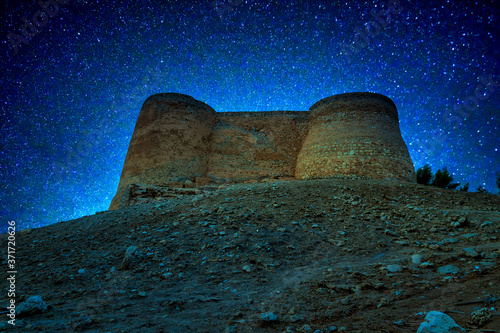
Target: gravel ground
point(275, 256)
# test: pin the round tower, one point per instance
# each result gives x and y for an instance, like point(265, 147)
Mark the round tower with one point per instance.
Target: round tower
point(170, 141)
point(354, 134)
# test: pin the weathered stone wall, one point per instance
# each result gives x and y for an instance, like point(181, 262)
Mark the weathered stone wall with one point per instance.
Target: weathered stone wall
point(178, 138)
point(251, 145)
point(354, 134)
point(171, 139)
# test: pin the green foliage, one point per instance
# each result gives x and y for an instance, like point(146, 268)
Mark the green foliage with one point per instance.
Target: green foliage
point(424, 175)
point(464, 188)
point(481, 189)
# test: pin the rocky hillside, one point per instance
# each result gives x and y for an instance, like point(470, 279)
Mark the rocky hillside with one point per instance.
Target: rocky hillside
point(276, 256)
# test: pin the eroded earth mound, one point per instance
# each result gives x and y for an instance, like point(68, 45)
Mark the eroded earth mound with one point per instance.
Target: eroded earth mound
point(324, 255)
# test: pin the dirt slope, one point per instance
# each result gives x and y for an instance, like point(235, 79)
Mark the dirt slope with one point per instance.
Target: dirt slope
point(314, 254)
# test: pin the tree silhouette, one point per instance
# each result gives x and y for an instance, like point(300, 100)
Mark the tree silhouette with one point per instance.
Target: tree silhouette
point(424, 175)
point(481, 189)
point(498, 181)
point(464, 188)
point(444, 180)
point(441, 179)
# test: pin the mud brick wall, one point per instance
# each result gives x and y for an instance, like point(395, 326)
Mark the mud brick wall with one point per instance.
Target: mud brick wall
point(171, 140)
point(252, 145)
point(354, 134)
point(178, 138)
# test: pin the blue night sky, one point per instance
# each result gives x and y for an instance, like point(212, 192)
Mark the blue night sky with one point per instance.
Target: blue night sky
point(71, 94)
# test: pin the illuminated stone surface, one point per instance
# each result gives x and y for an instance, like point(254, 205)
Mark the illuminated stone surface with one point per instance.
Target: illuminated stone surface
point(178, 138)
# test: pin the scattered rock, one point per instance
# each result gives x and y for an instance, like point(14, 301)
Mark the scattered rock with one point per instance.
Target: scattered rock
point(426, 265)
point(486, 224)
point(232, 329)
point(481, 317)
point(470, 252)
point(201, 181)
point(189, 184)
point(269, 316)
point(448, 269)
point(31, 306)
point(82, 323)
point(295, 318)
point(438, 322)
point(416, 259)
point(175, 184)
point(132, 257)
point(469, 236)
point(391, 233)
point(188, 269)
point(450, 240)
point(490, 264)
point(462, 222)
point(394, 268)
point(305, 329)
point(338, 242)
point(491, 256)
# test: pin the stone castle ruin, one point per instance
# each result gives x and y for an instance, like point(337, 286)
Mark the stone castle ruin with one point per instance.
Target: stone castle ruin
point(178, 139)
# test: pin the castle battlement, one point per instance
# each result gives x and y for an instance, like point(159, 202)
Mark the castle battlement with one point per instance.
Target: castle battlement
point(178, 138)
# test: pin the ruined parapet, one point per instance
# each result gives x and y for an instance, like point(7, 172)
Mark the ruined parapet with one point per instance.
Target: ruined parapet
point(170, 141)
point(354, 134)
point(178, 138)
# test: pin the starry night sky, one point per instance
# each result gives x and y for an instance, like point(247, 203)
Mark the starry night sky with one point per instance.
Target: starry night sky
point(71, 94)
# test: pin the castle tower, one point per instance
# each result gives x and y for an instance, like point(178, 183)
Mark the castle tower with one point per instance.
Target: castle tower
point(354, 134)
point(170, 140)
point(177, 137)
